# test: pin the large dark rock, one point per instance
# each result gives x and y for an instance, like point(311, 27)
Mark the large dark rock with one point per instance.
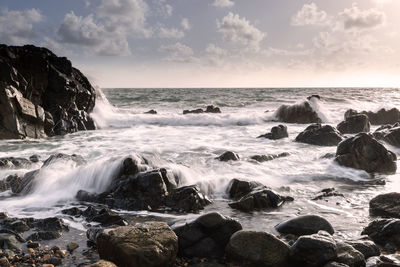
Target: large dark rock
point(347, 254)
point(380, 117)
point(384, 232)
point(389, 133)
point(313, 250)
point(151, 244)
point(213, 109)
point(319, 135)
point(385, 205)
point(42, 94)
point(227, 156)
point(366, 246)
point(207, 236)
point(251, 248)
point(263, 158)
point(354, 124)
point(298, 113)
point(363, 152)
point(277, 132)
point(304, 225)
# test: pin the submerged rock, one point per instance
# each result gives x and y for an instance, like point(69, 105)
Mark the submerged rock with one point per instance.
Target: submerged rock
point(151, 111)
point(212, 109)
point(148, 244)
point(354, 124)
point(277, 132)
point(194, 111)
point(304, 225)
point(363, 152)
point(328, 192)
point(251, 248)
point(227, 156)
point(209, 109)
point(319, 135)
point(207, 236)
point(385, 205)
point(298, 113)
point(42, 94)
point(263, 158)
point(380, 117)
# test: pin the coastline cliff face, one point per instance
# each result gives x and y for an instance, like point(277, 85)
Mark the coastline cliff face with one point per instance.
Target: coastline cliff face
point(41, 94)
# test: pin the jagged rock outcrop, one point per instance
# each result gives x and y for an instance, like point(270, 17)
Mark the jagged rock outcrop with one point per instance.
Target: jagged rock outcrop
point(42, 94)
point(382, 116)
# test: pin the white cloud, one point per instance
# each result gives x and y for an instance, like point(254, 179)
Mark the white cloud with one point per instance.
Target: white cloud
point(223, 3)
point(16, 27)
point(354, 18)
point(186, 24)
point(169, 33)
point(178, 52)
point(240, 31)
point(310, 14)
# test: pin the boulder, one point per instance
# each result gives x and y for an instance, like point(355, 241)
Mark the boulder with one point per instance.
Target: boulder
point(212, 109)
point(298, 113)
point(8, 241)
point(389, 134)
point(263, 158)
point(366, 246)
point(227, 156)
point(207, 236)
point(42, 94)
point(347, 254)
point(384, 232)
point(313, 250)
point(319, 135)
point(238, 188)
point(354, 124)
point(304, 225)
point(385, 205)
point(251, 248)
point(147, 244)
point(363, 152)
point(14, 163)
point(382, 116)
point(277, 132)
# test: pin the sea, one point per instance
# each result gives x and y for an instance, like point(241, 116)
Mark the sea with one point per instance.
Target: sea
point(188, 145)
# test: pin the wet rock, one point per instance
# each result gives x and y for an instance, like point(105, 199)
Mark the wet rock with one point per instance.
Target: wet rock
point(228, 155)
point(298, 113)
point(14, 163)
point(384, 261)
point(207, 236)
point(384, 232)
point(105, 217)
point(44, 235)
point(277, 132)
point(239, 188)
point(385, 205)
point(314, 96)
point(328, 192)
point(329, 156)
point(382, 116)
point(43, 94)
point(348, 255)
point(72, 246)
point(148, 244)
point(363, 152)
point(389, 134)
point(313, 250)
point(50, 224)
point(4, 262)
point(79, 160)
point(263, 158)
point(14, 183)
point(251, 248)
point(151, 111)
point(31, 244)
point(194, 111)
point(9, 241)
point(366, 246)
point(354, 124)
point(212, 109)
point(72, 212)
point(102, 263)
point(305, 225)
point(34, 158)
point(186, 199)
point(316, 134)
point(335, 264)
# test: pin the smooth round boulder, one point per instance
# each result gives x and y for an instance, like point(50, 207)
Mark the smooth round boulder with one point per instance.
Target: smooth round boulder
point(319, 135)
point(228, 155)
point(354, 124)
point(305, 225)
point(150, 244)
point(251, 248)
point(363, 152)
point(277, 132)
point(385, 205)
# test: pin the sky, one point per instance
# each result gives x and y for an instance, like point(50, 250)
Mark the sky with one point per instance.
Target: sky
point(215, 43)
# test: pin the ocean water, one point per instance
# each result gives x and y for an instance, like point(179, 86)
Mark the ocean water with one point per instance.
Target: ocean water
point(188, 145)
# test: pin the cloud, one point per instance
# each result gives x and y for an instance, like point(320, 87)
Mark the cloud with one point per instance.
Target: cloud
point(178, 52)
point(223, 3)
point(354, 18)
point(239, 30)
point(186, 24)
point(169, 33)
point(16, 27)
point(310, 14)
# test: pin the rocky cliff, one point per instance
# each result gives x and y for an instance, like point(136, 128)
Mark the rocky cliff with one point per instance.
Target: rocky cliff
point(41, 94)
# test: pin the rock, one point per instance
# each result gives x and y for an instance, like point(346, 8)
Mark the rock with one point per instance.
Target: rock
point(298, 113)
point(251, 248)
point(328, 192)
point(384, 232)
point(72, 212)
point(227, 156)
point(34, 158)
point(348, 255)
point(72, 246)
point(335, 264)
point(385, 205)
point(313, 96)
point(14, 163)
point(277, 132)
point(151, 111)
point(239, 188)
point(186, 199)
point(389, 134)
point(105, 217)
point(31, 244)
point(304, 225)
point(44, 235)
point(316, 134)
point(263, 158)
point(313, 250)
point(380, 117)
point(363, 152)
point(148, 244)
point(9, 241)
point(354, 124)
point(212, 109)
point(102, 263)
point(207, 236)
point(194, 111)
point(79, 160)
point(366, 246)
point(50, 224)
point(42, 94)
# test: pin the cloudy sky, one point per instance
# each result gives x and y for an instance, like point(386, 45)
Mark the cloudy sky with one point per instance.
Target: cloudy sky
point(215, 43)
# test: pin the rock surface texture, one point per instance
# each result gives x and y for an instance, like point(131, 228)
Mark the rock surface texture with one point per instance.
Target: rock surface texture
point(41, 94)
